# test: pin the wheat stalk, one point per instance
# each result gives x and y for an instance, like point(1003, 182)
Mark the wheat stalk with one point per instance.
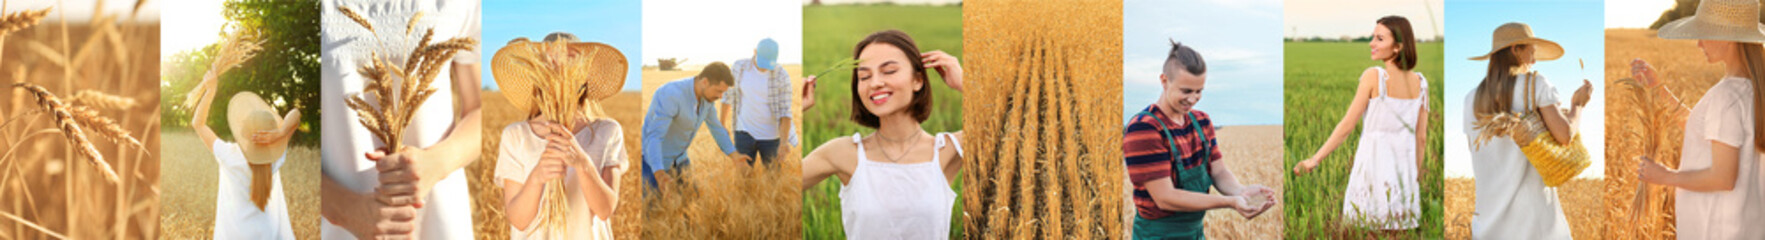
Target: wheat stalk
point(356, 17)
point(102, 100)
point(70, 127)
point(20, 20)
point(399, 91)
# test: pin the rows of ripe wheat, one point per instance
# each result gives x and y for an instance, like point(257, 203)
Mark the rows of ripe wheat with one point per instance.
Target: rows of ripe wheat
point(1043, 130)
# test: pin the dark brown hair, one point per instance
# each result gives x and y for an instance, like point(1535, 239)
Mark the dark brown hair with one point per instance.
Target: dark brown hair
point(1496, 93)
point(1403, 35)
point(717, 73)
point(920, 107)
point(1183, 58)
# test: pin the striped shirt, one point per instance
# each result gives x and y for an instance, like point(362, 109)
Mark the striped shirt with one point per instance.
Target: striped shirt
point(1149, 156)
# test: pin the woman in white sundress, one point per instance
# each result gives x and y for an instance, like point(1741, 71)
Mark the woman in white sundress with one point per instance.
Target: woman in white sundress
point(589, 158)
point(1391, 105)
point(1719, 190)
point(1512, 199)
point(897, 181)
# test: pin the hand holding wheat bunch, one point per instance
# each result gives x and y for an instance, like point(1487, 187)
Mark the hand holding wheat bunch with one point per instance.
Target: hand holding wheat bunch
point(235, 49)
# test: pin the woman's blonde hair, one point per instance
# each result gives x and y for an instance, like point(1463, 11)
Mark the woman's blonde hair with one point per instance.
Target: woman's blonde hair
point(1753, 55)
point(261, 175)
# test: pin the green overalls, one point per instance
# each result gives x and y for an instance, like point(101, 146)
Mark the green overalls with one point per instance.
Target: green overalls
point(1180, 225)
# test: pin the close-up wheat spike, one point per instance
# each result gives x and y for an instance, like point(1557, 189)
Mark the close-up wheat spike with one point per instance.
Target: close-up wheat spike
point(70, 126)
point(557, 102)
point(20, 20)
point(396, 91)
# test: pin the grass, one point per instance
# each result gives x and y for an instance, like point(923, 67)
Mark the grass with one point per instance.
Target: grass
point(836, 29)
point(189, 207)
point(487, 198)
point(1043, 120)
point(51, 191)
point(1681, 67)
point(724, 199)
point(1320, 82)
point(1585, 220)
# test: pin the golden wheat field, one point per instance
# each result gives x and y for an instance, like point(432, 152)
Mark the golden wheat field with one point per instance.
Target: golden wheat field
point(54, 187)
point(1634, 125)
point(1579, 198)
point(189, 207)
point(1249, 153)
point(1042, 119)
point(721, 198)
point(487, 198)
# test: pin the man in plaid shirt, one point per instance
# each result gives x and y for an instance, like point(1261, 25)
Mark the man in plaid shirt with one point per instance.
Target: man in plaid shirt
point(761, 102)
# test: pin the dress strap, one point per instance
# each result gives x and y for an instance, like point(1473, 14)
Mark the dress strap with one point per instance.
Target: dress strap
point(858, 139)
point(1382, 78)
point(939, 144)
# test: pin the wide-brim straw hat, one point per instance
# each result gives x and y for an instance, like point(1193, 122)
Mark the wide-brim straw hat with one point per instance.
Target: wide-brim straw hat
point(246, 115)
point(517, 65)
point(1727, 20)
point(1510, 34)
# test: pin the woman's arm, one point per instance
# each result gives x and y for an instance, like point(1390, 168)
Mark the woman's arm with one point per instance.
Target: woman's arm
point(596, 191)
point(1369, 82)
point(1422, 156)
point(1562, 123)
point(1725, 164)
point(818, 165)
point(199, 119)
point(363, 215)
point(521, 200)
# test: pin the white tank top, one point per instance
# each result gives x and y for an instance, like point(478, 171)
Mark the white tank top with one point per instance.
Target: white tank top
point(898, 201)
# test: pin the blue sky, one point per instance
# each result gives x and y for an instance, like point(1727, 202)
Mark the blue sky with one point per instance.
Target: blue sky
point(1577, 25)
point(612, 22)
point(1239, 39)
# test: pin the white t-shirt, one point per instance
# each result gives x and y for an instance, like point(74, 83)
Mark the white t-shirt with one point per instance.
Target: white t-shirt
point(1724, 114)
point(756, 116)
point(236, 217)
point(519, 152)
point(1512, 200)
point(447, 211)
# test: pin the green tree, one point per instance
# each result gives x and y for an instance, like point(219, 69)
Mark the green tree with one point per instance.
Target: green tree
point(285, 72)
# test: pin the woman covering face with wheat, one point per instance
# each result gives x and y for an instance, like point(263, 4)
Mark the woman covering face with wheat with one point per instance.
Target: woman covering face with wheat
point(898, 186)
point(1720, 190)
point(560, 168)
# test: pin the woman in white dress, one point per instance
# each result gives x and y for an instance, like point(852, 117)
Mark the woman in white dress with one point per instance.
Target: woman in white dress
point(1391, 104)
point(899, 186)
point(249, 203)
point(1512, 200)
point(1719, 187)
point(590, 158)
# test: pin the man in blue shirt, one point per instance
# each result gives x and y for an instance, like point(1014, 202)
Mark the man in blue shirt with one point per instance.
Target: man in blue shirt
point(677, 109)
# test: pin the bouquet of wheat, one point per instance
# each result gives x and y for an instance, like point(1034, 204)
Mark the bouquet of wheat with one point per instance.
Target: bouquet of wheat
point(557, 78)
point(394, 92)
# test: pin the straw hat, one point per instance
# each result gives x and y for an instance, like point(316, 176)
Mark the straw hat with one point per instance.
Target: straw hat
point(247, 114)
point(1727, 20)
point(520, 63)
point(1513, 33)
